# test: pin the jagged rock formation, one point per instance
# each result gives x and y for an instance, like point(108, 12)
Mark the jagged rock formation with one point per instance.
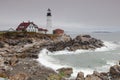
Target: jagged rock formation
point(113, 74)
point(19, 51)
point(80, 42)
point(80, 76)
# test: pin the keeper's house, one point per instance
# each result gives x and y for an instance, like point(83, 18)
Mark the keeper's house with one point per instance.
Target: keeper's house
point(30, 27)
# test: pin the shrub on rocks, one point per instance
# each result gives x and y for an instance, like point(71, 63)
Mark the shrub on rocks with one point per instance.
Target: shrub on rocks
point(19, 76)
point(54, 77)
point(66, 72)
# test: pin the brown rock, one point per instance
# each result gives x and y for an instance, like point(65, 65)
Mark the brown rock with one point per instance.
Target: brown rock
point(95, 73)
point(102, 76)
point(92, 77)
point(115, 71)
point(19, 76)
point(1, 44)
point(14, 60)
point(80, 76)
point(3, 74)
point(105, 76)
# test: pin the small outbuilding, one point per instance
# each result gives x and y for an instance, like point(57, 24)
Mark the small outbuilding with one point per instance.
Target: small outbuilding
point(58, 31)
point(11, 30)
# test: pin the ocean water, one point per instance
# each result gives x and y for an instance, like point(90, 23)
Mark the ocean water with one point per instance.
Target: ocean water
point(86, 61)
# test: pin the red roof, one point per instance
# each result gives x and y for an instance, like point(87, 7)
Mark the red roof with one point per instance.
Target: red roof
point(41, 29)
point(45, 30)
point(58, 30)
point(24, 25)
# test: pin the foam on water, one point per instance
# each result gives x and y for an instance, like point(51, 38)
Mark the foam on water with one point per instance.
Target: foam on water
point(48, 61)
point(105, 68)
point(86, 71)
point(66, 52)
point(112, 62)
point(108, 46)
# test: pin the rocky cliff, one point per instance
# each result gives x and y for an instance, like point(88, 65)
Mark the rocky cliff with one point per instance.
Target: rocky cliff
point(19, 51)
point(80, 42)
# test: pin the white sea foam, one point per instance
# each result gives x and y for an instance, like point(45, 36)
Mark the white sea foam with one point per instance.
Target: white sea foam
point(86, 71)
point(66, 52)
point(108, 46)
point(106, 67)
point(63, 52)
point(112, 62)
point(46, 59)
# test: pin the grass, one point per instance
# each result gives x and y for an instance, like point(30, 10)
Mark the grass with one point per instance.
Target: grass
point(58, 76)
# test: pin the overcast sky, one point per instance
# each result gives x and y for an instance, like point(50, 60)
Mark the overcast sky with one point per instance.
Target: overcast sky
point(70, 14)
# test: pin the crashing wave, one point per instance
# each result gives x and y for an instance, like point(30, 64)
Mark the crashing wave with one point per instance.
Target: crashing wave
point(108, 46)
point(48, 61)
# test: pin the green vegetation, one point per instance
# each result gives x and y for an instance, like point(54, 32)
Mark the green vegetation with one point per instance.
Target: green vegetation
point(62, 74)
point(58, 76)
point(54, 77)
point(3, 75)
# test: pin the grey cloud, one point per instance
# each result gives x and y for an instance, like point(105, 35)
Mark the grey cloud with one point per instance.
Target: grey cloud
point(94, 14)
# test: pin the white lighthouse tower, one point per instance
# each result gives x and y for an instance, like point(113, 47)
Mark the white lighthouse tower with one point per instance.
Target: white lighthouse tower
point(49, 21)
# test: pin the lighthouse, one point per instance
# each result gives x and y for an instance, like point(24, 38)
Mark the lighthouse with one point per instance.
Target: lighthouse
point(49, 21)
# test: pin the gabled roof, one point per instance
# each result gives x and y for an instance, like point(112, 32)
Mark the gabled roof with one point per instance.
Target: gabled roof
point(24, 25)
point(11, 29)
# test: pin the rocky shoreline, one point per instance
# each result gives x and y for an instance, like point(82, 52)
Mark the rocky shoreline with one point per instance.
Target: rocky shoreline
point(113, 74)
point(84, 42)
point(18, 56)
